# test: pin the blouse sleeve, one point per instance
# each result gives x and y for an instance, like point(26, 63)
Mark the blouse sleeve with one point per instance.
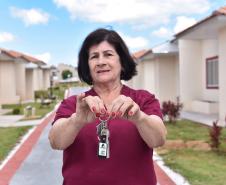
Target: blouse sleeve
point(66, 108)
point(150, 105)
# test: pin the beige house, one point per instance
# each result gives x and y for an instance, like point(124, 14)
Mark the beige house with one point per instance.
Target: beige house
point(158, 71)
point(8, 89)
point(20, 76)
point(202, 56)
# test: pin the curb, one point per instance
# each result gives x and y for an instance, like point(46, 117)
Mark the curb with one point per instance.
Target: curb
point(162, 177)
point(10, 168)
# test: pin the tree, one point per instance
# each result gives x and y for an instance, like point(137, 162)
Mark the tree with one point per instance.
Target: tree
point(66, 74)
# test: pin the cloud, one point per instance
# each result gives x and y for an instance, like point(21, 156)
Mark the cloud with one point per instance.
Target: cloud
point(145, 12)
point(183, 23)
point(30, 16)
point(6, 37)
point(134, 43)
point(46, 57)
point(162, 32)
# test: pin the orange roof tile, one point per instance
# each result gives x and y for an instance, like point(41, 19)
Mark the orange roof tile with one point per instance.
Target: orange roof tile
point(34, 60)
point(140, 53)
point(221, 10)
point(16, 54)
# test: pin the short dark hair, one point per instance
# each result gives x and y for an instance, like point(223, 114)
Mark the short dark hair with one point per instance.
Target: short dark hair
point(113, 38)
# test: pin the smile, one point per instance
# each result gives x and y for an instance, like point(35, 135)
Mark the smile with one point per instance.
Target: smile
point(103, 71)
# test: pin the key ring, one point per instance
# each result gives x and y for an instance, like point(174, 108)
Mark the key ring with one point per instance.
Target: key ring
point(104, 120)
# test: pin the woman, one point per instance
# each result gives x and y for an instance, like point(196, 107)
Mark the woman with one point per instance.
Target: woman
point(134, 120)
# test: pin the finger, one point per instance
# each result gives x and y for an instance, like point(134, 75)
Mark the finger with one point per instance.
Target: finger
point(115, 111)
point(133, 110)
point(79, 100)
point(114, 107)
point(80, 97)
point(92, 104)
point(100, 105)
point(125, 107)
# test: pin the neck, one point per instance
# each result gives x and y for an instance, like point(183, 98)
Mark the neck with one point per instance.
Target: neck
point(108, 92)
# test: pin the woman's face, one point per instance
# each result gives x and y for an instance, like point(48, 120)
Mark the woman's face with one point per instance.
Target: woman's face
point(104, 63)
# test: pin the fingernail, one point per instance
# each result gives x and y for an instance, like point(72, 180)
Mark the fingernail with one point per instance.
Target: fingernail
point(113, 114)
point(130, 113)
point(93, 109)
point(119, 113)
point(102, 111)
point(98, 115)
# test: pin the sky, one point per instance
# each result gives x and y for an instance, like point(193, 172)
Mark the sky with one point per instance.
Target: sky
point(53, 30)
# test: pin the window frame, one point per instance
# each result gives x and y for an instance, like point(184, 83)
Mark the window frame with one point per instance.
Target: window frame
point(208, 60)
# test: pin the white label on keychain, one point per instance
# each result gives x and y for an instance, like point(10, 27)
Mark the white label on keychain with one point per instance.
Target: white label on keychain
point(103, 148)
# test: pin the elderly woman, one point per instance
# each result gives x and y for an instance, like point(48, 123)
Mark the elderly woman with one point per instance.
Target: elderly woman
point(108, 133)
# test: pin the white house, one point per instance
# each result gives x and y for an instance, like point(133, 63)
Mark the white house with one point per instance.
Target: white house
point(158, 71)
point(202, 56)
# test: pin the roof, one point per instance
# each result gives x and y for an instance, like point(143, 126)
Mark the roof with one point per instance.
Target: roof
point(16, 54)
point(164, 48)
point(140, 53)
point(220, 11)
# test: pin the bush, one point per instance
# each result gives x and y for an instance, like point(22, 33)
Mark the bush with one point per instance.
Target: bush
point(171, 109)
point(41, 94)
point(66, 74)
point(16, 111)
point(215, 133)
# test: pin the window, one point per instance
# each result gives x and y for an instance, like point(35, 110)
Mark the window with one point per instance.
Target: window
point(212, 73)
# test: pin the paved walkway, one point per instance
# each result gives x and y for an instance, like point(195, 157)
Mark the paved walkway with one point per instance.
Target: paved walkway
point(199, 117)
point(35, 163)
point(13, 121)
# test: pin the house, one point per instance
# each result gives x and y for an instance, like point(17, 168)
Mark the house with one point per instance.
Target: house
point(158, 71)
point(25, 74)
point(8, 88)
point(202, 56)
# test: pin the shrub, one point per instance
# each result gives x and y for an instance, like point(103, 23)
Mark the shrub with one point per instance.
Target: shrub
point(214, 133)
point(66, 74)
point(41, 94)
point(16, 111)
point(171, 109)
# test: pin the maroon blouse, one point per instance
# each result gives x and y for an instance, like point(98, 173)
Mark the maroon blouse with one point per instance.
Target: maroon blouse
point(130, 161)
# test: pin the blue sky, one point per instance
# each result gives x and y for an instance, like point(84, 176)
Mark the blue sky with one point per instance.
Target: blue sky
point(53, 30)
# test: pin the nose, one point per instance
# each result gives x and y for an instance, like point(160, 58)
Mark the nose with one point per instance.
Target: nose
point(101, 61)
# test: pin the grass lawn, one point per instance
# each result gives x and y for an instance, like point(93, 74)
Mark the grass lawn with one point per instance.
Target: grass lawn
point(198, 167)
point(40, 110)
point(9, 137)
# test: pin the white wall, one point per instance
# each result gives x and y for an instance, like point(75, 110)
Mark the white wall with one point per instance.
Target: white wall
point(137, 81)
point(29, 84)
point(46, 78)
point(149, 75)
point(168, 78)
point(8, 83)
point(222, 74)
point(190, 57)
point(209, 49)
point(20, 79)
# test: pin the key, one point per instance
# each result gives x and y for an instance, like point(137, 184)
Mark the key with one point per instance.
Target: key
point(103, 136)
point(103, 146)
point(99, 128)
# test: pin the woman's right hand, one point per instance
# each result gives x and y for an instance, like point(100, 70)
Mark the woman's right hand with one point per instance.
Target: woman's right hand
point(89, 108)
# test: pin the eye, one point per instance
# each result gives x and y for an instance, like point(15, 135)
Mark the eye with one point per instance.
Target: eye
point(93, 57)
point(108, 54)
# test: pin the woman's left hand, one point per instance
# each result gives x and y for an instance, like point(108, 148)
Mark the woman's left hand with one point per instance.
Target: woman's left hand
point(125, 107)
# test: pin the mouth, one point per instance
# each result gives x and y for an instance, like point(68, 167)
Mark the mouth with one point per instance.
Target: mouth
point(103, 71)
